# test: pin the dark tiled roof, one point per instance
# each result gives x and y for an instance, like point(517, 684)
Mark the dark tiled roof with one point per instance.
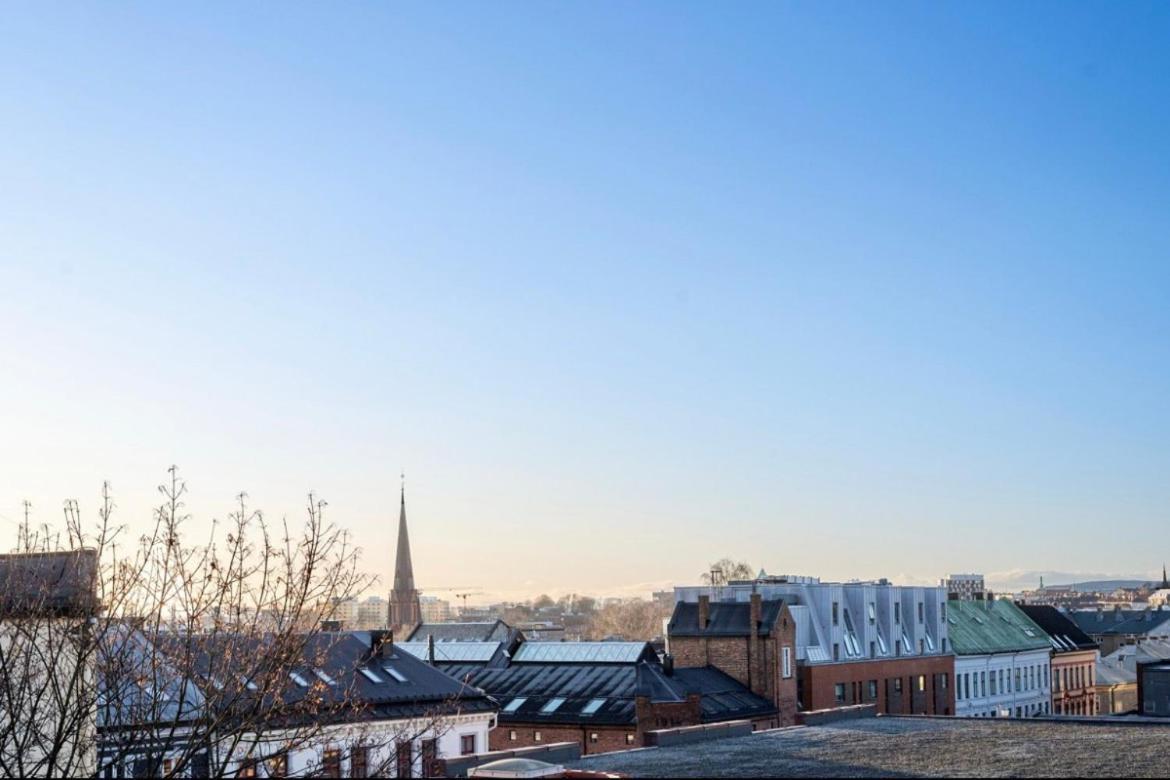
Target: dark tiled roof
point(723, 698)
point(48, 584)
point(1119, 622)
point(1058, 626)
point(725, 618)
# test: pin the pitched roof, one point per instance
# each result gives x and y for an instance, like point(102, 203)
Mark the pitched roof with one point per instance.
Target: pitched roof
point(584, 652)
point(1120, 621)
point(454, 652)
point(490, 631)
point(724, 618)
point(1066, 635)
point(48, 584)
point(979, 627)
point(723, 697)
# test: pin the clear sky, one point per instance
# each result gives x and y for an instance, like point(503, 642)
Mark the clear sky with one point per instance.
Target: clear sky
point(853, 290)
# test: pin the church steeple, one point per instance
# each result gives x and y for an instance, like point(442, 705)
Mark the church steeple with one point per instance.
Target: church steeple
point(405, 610)
point(1165, 584)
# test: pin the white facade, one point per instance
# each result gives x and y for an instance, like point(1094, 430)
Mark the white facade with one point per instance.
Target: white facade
point(1003, 685)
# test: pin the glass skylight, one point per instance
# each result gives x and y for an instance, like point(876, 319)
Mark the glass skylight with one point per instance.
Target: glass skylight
point(397, 675)
point(552, 705)
point(371, 675)
point(299, 679)
point(323, 677)
point(515, 704)
point(592, 706)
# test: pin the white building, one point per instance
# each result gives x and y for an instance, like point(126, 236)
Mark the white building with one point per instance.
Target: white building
point(373, 711)
point(434, 609)
point(1002, 661)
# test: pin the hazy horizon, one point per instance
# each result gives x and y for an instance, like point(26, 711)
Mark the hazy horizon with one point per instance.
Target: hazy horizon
point(832, 290)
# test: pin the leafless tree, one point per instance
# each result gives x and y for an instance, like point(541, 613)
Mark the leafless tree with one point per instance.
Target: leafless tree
point(631, 620)
point(725, 570)
point(203, 659)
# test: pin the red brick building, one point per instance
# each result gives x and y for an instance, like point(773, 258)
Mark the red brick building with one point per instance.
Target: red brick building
point(753, 643)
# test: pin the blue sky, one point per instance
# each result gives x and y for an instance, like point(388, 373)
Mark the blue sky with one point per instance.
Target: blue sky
point(840, 289)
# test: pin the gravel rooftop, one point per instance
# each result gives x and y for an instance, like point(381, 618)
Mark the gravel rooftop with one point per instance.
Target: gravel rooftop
point(911, 747)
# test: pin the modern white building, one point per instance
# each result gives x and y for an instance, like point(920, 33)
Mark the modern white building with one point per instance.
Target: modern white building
point(1002, 661)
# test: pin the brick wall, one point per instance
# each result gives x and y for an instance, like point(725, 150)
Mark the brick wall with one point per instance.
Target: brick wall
point(609, 738)
point(819, 683)
point(755, 662)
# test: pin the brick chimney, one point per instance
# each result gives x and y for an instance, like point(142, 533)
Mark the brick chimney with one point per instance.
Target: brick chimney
point(704, 612)
point(755, 678)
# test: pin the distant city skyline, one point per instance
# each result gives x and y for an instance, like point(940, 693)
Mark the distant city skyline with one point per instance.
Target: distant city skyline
point(850, 294)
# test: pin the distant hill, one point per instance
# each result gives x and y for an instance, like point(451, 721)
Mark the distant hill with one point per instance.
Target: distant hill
point(1102, 585)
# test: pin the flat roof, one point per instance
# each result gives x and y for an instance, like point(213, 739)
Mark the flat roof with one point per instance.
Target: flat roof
point(903, 747)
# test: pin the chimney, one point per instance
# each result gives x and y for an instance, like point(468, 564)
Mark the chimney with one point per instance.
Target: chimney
point(431, 649)
point(704, 611)
point(668, 665)
point(1100, 615)
point(757, 615)
point(378, 639)
point(1117, 613)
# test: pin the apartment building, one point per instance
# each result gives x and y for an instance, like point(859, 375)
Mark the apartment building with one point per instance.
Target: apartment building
point(858, 642)
point(1002, 665)
point(964, 587)
point(1074, 660)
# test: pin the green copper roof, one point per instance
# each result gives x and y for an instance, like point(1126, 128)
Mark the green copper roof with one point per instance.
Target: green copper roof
point(978, 627)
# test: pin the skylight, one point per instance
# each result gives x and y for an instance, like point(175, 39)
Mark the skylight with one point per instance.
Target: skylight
point(552, 705)
point(592, 706)
point(298, 679)
point(515, 704)
point(397, 675)
point(371, 675)
point(323, 677)
point(249, 684)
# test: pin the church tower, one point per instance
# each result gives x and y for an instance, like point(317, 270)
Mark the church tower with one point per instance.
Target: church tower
point(405, 612)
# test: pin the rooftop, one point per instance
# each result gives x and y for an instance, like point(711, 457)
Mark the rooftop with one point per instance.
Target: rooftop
point(725, 618)
point(905, 747)
point(1121, 621)
point(978, 627)
point(1066, 635)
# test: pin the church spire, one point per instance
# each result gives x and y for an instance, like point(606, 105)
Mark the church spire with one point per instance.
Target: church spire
point(405, 610)
point(1165, 584)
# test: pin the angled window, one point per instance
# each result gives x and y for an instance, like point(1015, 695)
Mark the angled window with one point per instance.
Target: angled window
point(592, 706)
point(552, 705)
point(514, 705)
point(323, 677)
point(371, 675)
point(299, 679)
point(397, 675)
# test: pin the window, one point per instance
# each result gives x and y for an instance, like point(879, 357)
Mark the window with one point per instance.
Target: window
point(983, 684)
point(922, 682)
point(921, 647)
point(873, 649)
point(299, 679)
point(467, 745)
point(592, 707)
point(839, 692)
point(834, 613)
point(943, 678)
point(512, 735)
point(897, 685)
point(629, 739)
point(359, 761)
point(871, 690)
point(370, 675)
point(942, 610)
point(247, 769)
point(168, 766)
point(551, 706)
point(514, 705)
point(323, 677)
point(898, 647)
point(786, 661)
point(331, 762)
point(836, 652)
point(430, 758)
point(397, 675)
point(921, 617)
point(404, 759)
point(897, 612)
point(593, 738)
point(872, 610)
point(536, 737)
point(993, 691)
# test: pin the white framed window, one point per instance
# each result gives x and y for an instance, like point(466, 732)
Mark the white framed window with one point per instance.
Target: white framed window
point(786, 661)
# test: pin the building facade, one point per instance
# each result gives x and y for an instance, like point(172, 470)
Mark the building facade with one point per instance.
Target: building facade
point(1073, 661)
point(858, 642)
point(1118, 627)
point(1002, 664)
point(964, 587)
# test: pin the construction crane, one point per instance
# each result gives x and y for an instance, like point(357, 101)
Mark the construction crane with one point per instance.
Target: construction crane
point(461, 592)
point(463, 596)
